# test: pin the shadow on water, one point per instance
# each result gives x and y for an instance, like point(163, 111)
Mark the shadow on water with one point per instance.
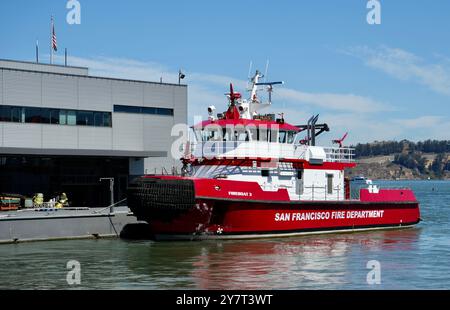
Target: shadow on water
point(328, 261)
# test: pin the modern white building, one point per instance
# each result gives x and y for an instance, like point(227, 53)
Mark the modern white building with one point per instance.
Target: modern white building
point(62, 129)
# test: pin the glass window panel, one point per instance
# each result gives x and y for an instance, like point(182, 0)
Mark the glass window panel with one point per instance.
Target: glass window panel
point(16, 115)
point(54, 116)
point(98, 119)
point(147, 110)
point(45, 116)
point(162, 111)
point(5, 114)
point(273, 135)
point(127, 109)
point(63, 117)
point(85, 118)
point(282, 137)
point(71, 118)
point(107, 122)
point(291, 136)
point(32, 115)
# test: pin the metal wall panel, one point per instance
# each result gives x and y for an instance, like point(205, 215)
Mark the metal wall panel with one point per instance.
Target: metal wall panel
point(94, 138)
point(1, 87)
point(95, 94)
point(128, 132)
point(22, 135)
point(156, 131)
point(180, 105)
point(60, 91)
point(22, 88)
point(22, 65)
point(57, 137)
point(160, 96)
point(127, 93)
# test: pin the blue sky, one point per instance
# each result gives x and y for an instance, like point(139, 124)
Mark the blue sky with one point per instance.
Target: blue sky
point(388, 81)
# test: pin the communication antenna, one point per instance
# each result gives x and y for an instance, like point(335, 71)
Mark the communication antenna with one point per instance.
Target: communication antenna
point(249, 74)
point(265, 72)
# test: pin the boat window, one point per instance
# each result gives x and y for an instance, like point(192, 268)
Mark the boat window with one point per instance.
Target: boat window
point(242, 136)
point(263, 134)
point(282, 137)
point(330, 183)
point(253, 132)
point(211, 134)
point(215, 171)
point(265, 173)
point(290, 137)
point(274, 135)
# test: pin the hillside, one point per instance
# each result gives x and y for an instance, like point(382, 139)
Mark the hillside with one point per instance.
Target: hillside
point(383, 167)
point(403, 160)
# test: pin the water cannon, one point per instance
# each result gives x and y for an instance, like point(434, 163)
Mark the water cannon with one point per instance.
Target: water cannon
point(341, 140)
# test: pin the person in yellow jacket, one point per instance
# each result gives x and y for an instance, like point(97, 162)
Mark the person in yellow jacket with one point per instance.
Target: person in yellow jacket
point(63, 201)
point(38, 200)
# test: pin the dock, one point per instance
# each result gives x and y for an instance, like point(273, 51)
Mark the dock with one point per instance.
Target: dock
point(60, 224)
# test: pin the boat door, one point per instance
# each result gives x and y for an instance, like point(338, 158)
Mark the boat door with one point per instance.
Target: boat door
point(299, 182)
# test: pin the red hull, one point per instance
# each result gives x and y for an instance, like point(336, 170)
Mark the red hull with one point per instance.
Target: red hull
point(232, 219)
point(220, 214)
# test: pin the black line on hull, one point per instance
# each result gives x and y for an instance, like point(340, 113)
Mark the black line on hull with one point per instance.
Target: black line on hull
point(284, 232)
point(312, 202)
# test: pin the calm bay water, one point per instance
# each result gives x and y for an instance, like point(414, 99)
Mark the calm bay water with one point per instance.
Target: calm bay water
point(417, 258)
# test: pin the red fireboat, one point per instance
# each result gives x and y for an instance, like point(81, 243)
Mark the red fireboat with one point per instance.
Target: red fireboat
point(252, 175)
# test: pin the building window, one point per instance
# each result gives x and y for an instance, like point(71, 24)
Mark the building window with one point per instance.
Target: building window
point(107, 119)
point(34, 115)
point(5, 114)
point(54, 117)
point(127, 109)
point(102, 119)
point(85, 118)
point(17, 115)
point(162, 111)
point(71, 118)
point(143, 110)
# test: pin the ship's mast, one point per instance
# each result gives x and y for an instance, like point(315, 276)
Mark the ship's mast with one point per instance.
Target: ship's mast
point(254, 89)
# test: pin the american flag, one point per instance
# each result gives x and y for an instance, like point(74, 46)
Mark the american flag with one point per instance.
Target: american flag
point(54, 44)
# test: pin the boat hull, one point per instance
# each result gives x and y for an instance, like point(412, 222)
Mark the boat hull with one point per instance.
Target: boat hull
point(180, 214)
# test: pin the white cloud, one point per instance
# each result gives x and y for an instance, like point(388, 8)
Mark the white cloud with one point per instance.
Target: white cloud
point(338, 102)
point(204, 87)
point(404, 65)
point(343, 112)
point(420, 122)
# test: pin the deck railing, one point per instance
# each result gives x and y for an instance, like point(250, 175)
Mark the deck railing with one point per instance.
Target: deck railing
point(340, 154)
point(260, 149)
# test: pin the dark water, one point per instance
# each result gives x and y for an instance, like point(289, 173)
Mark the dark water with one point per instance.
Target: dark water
point(417, 258)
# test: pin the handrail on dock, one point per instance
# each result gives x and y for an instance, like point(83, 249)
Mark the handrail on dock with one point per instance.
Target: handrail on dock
point(110, 206)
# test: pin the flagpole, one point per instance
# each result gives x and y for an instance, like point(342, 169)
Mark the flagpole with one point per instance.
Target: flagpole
point(51, 41)
point(37, 51)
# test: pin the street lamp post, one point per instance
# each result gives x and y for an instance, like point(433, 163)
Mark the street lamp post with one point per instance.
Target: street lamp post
point(181, 76)
point(111, 188)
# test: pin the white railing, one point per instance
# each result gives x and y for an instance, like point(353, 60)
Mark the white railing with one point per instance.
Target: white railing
point(261, 149)
point(340, 154)
point(252, 149)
